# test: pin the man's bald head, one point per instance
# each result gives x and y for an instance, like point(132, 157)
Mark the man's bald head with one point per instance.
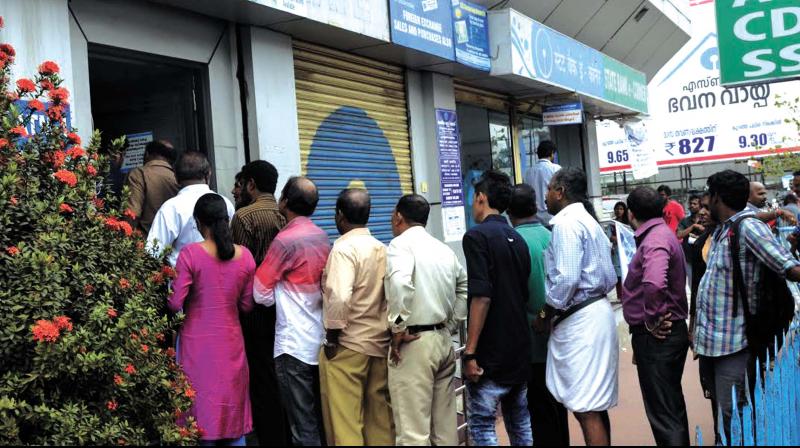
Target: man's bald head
point(354, 206)
point(300, 196)
point(758, 194)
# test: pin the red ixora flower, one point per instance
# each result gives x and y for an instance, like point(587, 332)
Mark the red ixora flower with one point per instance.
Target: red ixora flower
point(8, 50)
point(19, 131)
point(63, 323)
point(124, 283)
point(12, 250)
point(145, 348)
point(183, 432)
point(130, 370)
point(130, 214)
point(119, 226)
point(76, 152)
point(170, 352)
point(112, 313)
point(99, 203)
point(13, 200)
point(45, 331)
point(48, 68)
point(112, 405)
point(189, 392)
point(25, 85)
point(59, 95)
point(74, 138)
point(88, 289)
point(168, 272)
point(55, 112)
point(118, 380)
point(67, 177)
point(36, 106)
point(46, 84)
point(65, 208)
point(91, 170)
point(3, 143)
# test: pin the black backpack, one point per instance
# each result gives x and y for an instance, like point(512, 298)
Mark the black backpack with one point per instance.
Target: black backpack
point(775, 307)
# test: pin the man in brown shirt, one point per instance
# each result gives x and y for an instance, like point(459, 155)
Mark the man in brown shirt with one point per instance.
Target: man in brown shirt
point(153, 184)
point(255, 225)
point(353, 366)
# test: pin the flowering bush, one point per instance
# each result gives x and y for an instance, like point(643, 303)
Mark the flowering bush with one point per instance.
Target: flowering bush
point(84, 355)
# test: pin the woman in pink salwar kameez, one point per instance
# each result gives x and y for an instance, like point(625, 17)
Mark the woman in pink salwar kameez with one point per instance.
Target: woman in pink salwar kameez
point(214, 283)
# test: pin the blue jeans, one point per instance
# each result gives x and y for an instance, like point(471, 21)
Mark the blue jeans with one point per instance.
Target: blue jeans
point(483, 398)
point(299, 386)
point(224, 442)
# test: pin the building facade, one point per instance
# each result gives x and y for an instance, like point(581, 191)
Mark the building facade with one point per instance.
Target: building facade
point(396, 96)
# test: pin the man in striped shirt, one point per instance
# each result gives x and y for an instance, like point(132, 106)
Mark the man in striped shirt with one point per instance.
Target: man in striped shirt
point(256, 223)
point(719, 333)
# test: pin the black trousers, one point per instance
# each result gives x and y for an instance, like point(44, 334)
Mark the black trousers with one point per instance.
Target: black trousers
point(718, 376)
point(660, 366)
point(270, 422)
point(548, 417)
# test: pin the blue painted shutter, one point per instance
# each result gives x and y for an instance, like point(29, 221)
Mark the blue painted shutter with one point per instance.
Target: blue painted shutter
point(353, 122)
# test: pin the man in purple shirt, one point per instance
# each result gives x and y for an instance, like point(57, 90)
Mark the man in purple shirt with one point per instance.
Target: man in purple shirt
point(654, 305)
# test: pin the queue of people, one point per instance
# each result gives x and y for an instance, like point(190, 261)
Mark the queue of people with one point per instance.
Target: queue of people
point(304, 342)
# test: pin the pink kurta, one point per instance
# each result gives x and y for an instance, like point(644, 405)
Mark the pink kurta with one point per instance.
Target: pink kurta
point(211, 348)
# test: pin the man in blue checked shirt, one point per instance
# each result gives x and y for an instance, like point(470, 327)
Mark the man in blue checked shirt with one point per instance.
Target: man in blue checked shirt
point(719, 333)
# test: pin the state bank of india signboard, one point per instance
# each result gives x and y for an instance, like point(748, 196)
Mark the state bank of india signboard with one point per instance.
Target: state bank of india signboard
point(759, 40)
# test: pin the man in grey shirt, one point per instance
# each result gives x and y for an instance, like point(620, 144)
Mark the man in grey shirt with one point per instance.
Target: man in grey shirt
point(539, 175)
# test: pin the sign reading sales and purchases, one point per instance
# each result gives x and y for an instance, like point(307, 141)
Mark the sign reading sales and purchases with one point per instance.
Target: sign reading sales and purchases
point(695, 119)
point(425, 25)
point(759, 40)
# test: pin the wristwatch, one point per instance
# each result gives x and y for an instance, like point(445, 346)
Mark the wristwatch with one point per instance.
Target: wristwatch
point(543, 314)
point(466, 357)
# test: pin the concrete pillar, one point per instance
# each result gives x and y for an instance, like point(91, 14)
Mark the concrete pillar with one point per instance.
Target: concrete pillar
point(592, 159)
point(271, 100)
point(427, 92)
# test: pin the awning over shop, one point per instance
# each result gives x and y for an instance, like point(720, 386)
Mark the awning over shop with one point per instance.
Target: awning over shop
point(537, 57)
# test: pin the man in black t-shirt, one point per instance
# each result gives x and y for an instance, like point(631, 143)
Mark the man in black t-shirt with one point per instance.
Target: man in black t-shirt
point(498, 339)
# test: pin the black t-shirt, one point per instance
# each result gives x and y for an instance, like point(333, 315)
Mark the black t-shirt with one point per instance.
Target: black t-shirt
point(498, 266)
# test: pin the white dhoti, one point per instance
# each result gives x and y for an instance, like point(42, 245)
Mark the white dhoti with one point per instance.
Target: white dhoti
point(583, 359)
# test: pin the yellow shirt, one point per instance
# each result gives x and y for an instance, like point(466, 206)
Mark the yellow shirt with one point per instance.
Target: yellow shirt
point(353, 299)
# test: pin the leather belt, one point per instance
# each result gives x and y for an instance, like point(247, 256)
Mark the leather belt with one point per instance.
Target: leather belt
point(574, 309)
point(414, 329)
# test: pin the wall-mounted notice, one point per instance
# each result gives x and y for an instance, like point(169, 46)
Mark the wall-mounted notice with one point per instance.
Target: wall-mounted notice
point(134, 155)
point(425, 25)
point(471, 33)
point(450, 170)
point(570, 113)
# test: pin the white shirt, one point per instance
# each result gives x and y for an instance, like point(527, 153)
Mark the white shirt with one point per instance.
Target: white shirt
point(174, 223)
point(425, 284)
point(539, 177)
point(578, 260)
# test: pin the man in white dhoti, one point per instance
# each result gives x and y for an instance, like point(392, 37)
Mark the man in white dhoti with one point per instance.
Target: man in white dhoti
point(583, 351)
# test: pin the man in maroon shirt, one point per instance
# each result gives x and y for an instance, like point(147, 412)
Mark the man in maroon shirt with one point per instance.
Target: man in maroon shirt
point(654, 305)
point(673, 210)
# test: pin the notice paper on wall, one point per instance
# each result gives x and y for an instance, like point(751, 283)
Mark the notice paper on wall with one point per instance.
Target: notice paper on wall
point(626, 247)
point(452, 185)
point(644, 159)
point(134, 155)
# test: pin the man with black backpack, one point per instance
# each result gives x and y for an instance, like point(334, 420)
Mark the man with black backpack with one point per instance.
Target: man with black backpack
point(742, 300)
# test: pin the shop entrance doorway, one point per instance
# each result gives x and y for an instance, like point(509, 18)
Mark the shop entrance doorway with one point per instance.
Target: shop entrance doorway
point(147, 97)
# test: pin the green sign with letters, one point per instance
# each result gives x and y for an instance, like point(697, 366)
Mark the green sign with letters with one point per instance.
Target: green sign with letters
point(624, 85)
point(759, 40)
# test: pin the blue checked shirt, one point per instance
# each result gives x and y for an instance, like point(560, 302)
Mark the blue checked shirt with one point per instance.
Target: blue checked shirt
point(578, 260)
point(717, 332)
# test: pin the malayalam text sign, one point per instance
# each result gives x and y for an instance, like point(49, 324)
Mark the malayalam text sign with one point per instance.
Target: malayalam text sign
point(758, 40)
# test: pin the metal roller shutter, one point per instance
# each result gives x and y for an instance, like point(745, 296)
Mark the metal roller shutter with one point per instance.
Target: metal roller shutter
point(353, 124)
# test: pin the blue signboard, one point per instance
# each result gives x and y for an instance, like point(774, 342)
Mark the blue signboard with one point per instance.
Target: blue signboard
point(471, 34)
point(570, 113)
point(566, 62)
point(449, 158)
point(425, 25)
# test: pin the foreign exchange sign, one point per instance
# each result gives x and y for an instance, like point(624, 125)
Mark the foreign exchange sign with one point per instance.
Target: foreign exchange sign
point(759, 40)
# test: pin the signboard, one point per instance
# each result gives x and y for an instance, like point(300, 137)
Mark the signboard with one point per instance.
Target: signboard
point(531, 50)
point(759, 40)
point(571, 113)
point(471, 34)
point(450, 171)
point(134, 155)
point(626, 247)
point(642, 149)
point(367, 17)
point(34, 125)
point(632, 144)
point(695, 119)
point(424, 25)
